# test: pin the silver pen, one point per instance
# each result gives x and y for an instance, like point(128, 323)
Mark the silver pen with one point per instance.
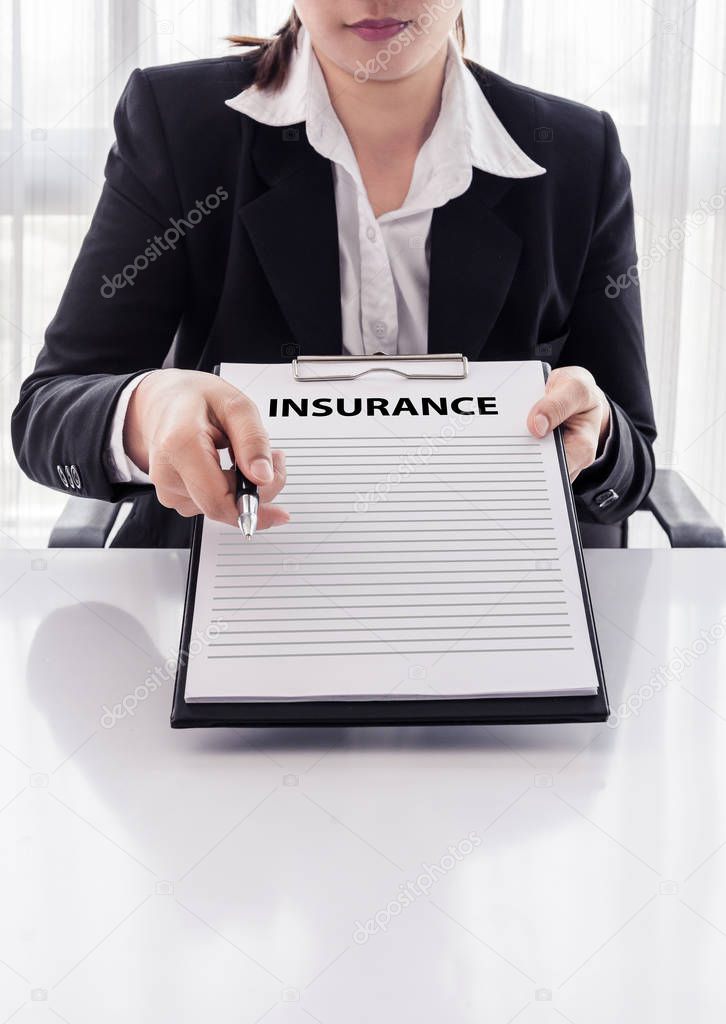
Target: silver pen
point(248, 503)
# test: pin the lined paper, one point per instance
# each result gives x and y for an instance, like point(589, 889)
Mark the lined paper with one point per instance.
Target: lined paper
point(427, 555)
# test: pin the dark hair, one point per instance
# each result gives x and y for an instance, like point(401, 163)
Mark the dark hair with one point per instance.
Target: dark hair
point(272, 62)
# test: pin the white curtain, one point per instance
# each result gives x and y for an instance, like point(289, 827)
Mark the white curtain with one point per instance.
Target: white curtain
point(658, 69)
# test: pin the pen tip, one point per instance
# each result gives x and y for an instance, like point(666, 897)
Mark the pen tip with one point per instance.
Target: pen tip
point(247, 525)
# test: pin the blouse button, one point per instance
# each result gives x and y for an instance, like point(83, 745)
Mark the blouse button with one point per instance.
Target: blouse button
point(371, 232)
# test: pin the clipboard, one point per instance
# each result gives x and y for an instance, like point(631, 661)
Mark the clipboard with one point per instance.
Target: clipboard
point(411, 712)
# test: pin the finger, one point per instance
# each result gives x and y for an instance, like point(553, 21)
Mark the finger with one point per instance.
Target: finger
point(565, 396)
point(239, 419)
point(163, 474)
point(170, 489)
point(196, 460)
point(267, 515)
point(268, 492)
point(580, 448)
point(187, 509)
point(572, 471)
point(184, 507)
point(271, 515)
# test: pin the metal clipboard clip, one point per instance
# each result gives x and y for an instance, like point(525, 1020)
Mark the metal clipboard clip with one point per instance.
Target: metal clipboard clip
point(458, 363)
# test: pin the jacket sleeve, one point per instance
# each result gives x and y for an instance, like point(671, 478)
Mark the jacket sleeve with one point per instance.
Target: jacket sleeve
point(117, 316)
point(606, 336)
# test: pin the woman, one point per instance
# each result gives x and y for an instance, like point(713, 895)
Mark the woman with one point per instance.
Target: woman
point(364, 190)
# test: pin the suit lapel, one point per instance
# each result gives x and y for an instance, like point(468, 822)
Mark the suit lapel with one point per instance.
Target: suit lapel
point(293, 228)
point(473, 259)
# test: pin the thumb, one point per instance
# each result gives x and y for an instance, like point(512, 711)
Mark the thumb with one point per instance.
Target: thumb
point(561, 400)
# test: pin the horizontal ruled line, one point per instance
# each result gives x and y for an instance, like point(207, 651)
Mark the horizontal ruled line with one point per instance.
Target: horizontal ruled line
point(388, 618)
point(360, 520)
point(406, 572)
point(360, 583)
point(415, 454)
point(511, 519)
point(439, 477)
point(481, 466)
point(431, 547)
point(395, 561)
point(383, 629)
point(389, 652)
point(317, 643)
point(455, 593)
point(376, 550)
point(364, 653)
point(373, 551)
point(417, 510)
point(383, 441)
point(278, 534)
point(417, 438)
point(290, 498)
point(451, 504)
point(356, 485)
point(418, 455)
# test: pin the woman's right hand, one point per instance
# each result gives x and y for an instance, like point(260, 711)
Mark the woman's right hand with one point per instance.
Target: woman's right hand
point(176, 422)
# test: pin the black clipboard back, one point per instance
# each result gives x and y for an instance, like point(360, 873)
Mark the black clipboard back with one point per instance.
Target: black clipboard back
point(448, 711)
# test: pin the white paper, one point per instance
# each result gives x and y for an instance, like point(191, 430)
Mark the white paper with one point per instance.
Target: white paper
point(428, 555)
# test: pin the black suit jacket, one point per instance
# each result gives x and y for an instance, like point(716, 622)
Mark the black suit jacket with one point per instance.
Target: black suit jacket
point(519, 270)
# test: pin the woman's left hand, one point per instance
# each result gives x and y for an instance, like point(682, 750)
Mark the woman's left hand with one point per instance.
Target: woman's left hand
point(573, 400)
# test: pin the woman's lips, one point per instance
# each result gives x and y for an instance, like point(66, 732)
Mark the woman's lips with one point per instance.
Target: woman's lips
point(374, 30)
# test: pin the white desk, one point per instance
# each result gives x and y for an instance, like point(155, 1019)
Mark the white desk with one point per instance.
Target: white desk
point(152, 876)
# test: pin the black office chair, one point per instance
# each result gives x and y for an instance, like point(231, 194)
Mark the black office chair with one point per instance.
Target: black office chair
point(87, 522)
